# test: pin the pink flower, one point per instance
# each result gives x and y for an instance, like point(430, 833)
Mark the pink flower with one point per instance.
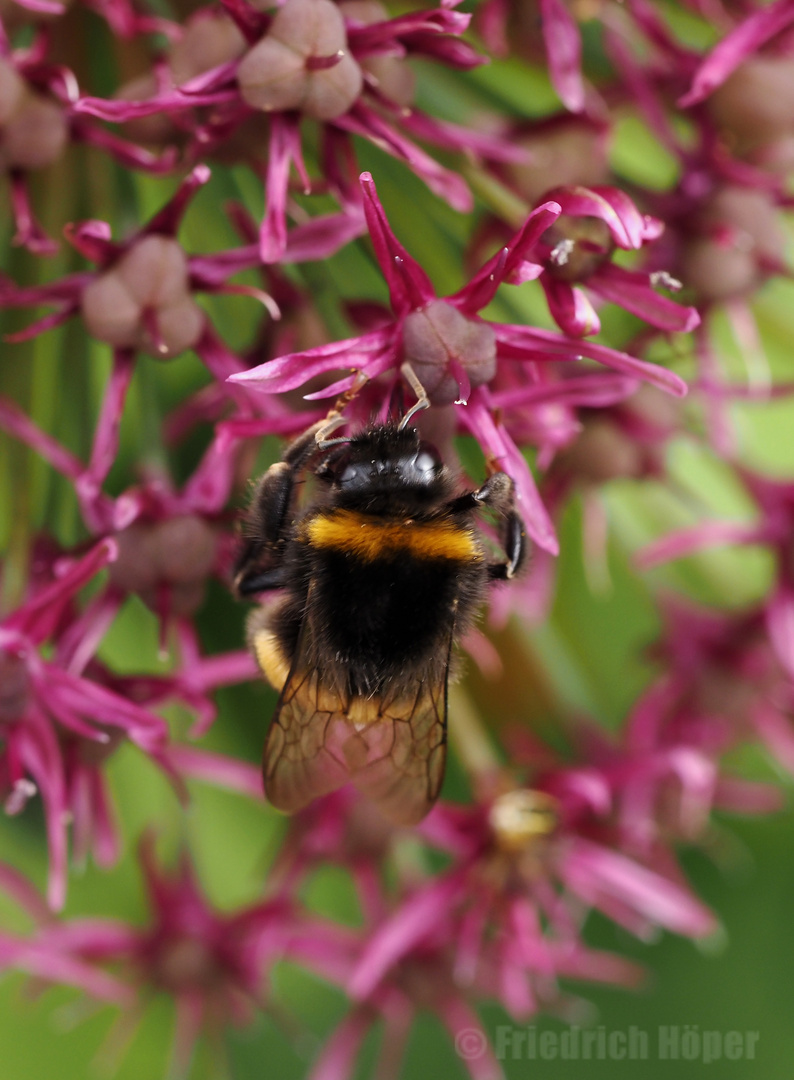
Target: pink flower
point(743, 41)
point(213, 964)
point(424, 982)
point(37, 123)
point(53, 718)
point(724, 683)
point(142, 295)
point(522, 867)
point(775, 500)
point(167, 542)
point(576, 250)
point(314, 59)
point(453, 351)
point(42, 962)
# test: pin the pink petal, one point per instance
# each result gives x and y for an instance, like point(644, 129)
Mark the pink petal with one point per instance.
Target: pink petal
point(323, 236)
point(685, 542)
point(16, 423)
point(532, 343)
point(409, 286)
point(628, 226)
point(285, 148)
point(780, 627)
point(748, 37)
point(448, 185)
point(564, 53)
point(40, 614)
point(338, 1057)
point(498, 445)
point(634, 292)
point(294, 369)
point(570, 308)
point(595, 869)
point(415, 920)
point(510, 261)
point(217, 769)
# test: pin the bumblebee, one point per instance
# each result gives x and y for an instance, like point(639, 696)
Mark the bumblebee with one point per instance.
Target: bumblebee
point(380, 572)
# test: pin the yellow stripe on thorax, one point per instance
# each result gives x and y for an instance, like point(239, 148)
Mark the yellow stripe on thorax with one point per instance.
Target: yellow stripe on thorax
point(371, 538)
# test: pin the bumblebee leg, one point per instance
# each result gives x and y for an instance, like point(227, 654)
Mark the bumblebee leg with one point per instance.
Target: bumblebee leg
point(422, 400)
point(258, 565)
point(498, 493)
point(514, 542)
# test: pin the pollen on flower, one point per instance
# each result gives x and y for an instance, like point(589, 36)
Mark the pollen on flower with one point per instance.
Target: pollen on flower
point(520, 817)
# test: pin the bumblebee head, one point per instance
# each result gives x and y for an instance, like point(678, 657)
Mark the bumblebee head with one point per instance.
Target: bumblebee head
point(385, 464)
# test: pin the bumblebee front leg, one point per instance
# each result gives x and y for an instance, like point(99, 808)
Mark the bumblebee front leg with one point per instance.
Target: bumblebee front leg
point(498, 493)
point(267, 522)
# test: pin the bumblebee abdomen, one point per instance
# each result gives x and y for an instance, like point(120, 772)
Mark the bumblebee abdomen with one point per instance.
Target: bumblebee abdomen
point(387, 591)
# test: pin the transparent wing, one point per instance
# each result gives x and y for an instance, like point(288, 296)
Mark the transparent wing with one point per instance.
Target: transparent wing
point(392, 750)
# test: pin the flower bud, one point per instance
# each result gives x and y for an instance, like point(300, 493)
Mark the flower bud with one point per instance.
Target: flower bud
point(177, 554)
point(740, 239)
point(302, 63)
point(755, 105)
point(210, 39)
point(151, 278)
point(36, 135)
point(12, 91)
point(568, 154)
point(602, 452)
point(187, 548)
point(439, 334)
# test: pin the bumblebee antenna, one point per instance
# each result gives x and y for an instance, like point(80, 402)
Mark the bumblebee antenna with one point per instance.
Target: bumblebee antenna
point(422, 400)
point(335, 419)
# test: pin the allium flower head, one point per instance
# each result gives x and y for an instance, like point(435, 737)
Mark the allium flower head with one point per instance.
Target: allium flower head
point(212, 964)
point(508, 903)
point(454, 352)
point(308, 60)
point(49, 705)
point(577, 249)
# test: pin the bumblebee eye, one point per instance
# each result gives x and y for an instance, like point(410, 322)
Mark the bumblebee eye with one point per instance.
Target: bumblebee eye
point(427, 466)
point(353, 475)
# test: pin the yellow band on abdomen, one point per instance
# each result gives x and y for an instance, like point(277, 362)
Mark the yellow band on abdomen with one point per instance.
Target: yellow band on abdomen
point(370, 538)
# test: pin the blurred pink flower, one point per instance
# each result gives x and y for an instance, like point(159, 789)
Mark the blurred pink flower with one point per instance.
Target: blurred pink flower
point(522, 868)
point(213, 964)
point(48, 704)
point(773, 529)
